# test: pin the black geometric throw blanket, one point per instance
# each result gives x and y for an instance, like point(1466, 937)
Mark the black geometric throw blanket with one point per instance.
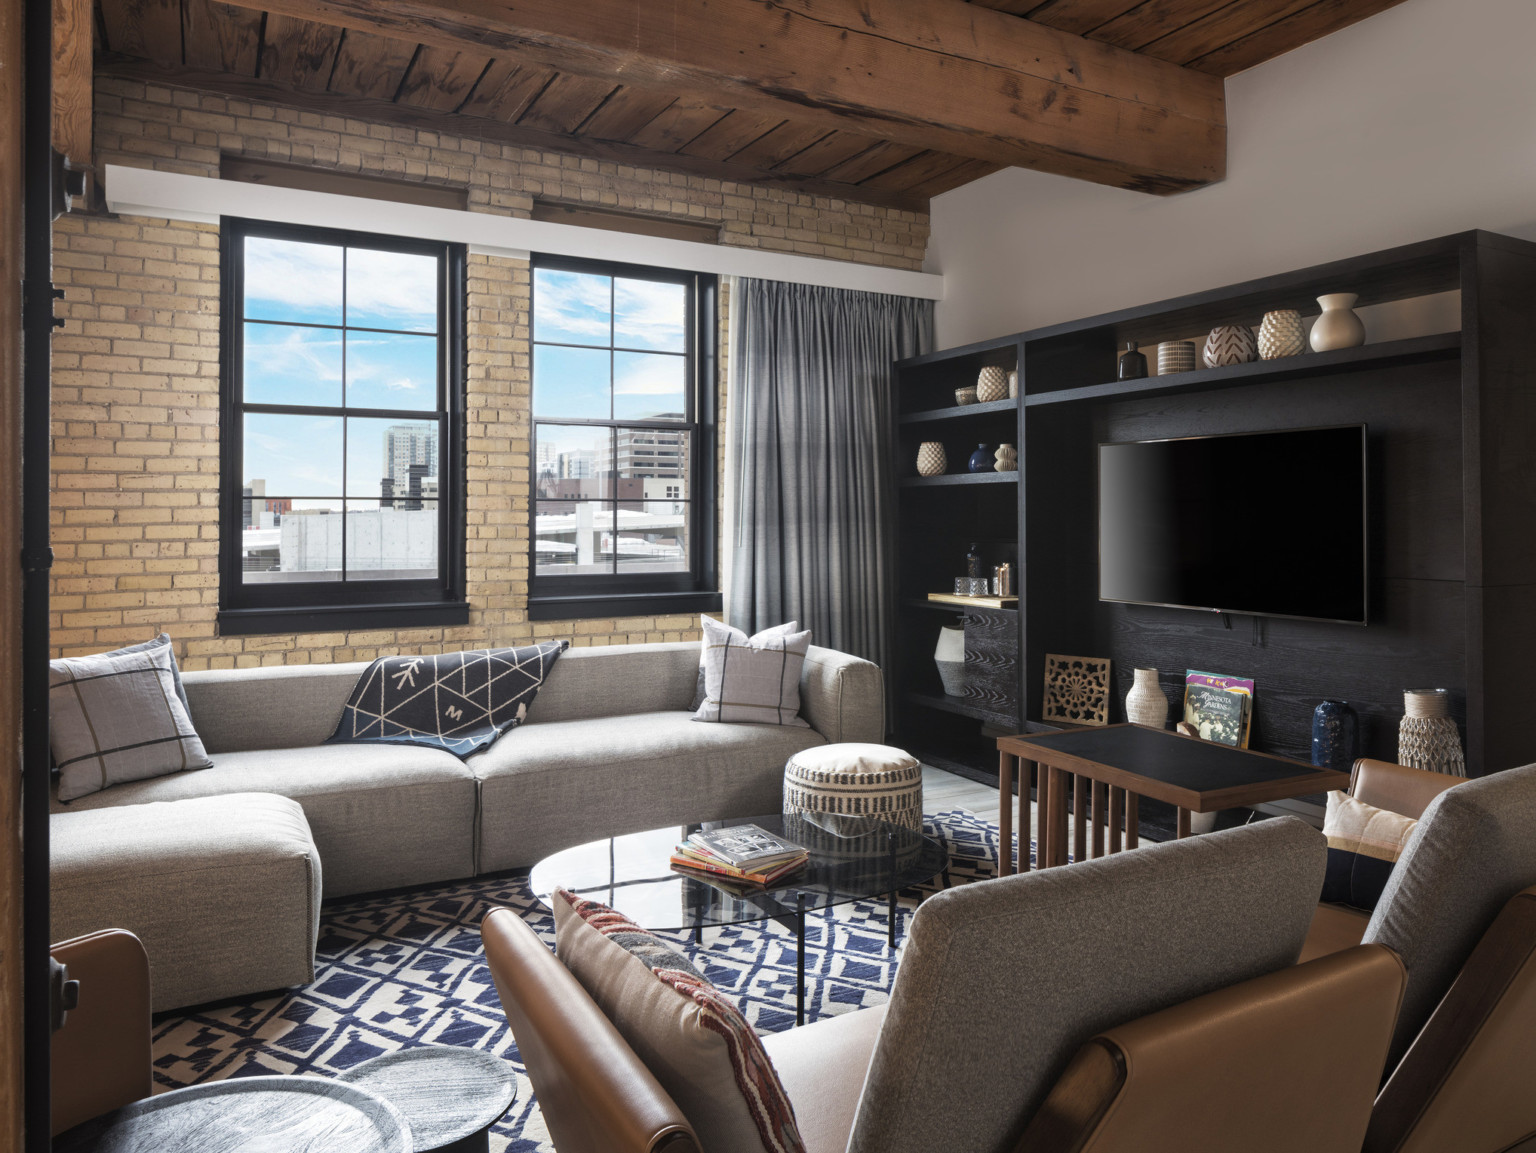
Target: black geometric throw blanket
point(461, 702)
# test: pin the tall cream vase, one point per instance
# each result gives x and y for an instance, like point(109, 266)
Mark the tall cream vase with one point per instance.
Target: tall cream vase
point(1145, 704)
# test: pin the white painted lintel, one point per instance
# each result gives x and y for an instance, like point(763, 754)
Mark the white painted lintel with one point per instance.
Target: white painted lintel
point(204, 199)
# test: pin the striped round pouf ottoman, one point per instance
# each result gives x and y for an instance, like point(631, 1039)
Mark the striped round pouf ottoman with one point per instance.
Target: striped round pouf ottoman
point(856, 781)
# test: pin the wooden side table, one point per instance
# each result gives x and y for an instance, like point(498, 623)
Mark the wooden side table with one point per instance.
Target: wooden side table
point(1105, 770)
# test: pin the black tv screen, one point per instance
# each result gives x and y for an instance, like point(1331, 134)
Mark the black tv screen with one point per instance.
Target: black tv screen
point(1263, 523)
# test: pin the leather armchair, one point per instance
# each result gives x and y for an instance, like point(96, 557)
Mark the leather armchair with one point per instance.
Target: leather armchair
point(1172, 964)
point(101, 1056)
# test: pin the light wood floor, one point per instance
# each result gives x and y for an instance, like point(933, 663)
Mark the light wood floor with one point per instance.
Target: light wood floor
point(944, 790)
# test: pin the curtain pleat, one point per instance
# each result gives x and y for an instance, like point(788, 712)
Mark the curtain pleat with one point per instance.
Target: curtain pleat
point(809, 419)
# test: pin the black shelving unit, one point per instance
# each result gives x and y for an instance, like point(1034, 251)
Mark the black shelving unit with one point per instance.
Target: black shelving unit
point(1451, 418)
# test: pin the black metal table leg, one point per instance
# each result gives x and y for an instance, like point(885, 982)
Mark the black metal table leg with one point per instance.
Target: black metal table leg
point(800, 973)
point(890, 925)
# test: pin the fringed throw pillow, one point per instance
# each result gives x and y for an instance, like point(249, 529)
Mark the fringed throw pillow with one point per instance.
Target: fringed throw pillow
point(1364, 843)
point(690, 1036)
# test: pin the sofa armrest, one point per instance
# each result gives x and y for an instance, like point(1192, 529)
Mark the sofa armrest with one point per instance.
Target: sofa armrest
point(1397, 788)
point(842, 696)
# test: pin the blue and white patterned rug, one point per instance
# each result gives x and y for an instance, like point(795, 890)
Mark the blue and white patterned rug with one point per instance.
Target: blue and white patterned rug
point(406, 969)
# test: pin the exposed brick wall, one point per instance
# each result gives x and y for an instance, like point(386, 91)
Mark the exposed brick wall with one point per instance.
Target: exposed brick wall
point(136, 370)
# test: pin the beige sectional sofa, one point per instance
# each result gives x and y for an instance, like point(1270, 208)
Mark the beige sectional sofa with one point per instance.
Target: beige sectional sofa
point(609, 747)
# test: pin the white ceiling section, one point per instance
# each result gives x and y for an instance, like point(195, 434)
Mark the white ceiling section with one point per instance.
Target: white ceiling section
point(174, 196)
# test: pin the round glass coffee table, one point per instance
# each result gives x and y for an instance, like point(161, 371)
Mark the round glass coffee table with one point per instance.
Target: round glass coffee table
point(851, 859)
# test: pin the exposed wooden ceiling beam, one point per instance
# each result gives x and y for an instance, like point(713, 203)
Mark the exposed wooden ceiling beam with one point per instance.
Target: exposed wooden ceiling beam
point(498, 131)
point(943, 75)
point(73, 25)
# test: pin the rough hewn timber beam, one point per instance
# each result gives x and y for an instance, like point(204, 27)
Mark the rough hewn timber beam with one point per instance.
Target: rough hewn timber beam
point(942, 74)
point(484, 128)
point(72, 50)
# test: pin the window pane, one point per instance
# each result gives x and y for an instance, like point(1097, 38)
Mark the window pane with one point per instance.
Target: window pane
point(293, 454)
point(570, 461)
point(392, 459)
point(649, 315)
point(391, 290)
point(652, 463)
point(290, 280)
point(572, 307)
point(573, 538)
point(290, 540)
point(572, 382)
point(397, 542)
point(388, 371)
point(653, 537)
point(649, 386)
point(288, 365)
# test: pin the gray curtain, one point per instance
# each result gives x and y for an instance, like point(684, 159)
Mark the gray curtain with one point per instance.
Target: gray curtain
point(809, 412)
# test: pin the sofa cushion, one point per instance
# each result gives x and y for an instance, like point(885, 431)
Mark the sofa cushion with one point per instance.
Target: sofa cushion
point(752, 679)
point(618, 680)
point(822, 1067)
point(691, 1037)
point(382, 815)
point(283, 707)
point(224, 892)
point(612, 775)
point(115, 717)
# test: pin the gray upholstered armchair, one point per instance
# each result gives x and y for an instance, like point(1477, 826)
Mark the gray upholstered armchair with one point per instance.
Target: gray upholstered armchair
point(1001, 985)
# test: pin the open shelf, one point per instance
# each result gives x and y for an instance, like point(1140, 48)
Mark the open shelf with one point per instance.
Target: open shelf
point(961, 411)
point(957, 610)
point(960, 707)
point(1416, 350)
point(960, 478)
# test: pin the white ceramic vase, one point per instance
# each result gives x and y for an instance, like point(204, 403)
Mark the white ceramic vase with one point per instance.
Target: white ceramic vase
point(1338, 326)
point(931, 460)
point(1145, 704)
point(1281, 334)
point(1175, 356)
point(1230, 344)
point(1007, 458)
point(1013, 384)
point(949, 656)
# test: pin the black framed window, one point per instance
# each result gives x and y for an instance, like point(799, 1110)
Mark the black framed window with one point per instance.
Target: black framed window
point(624, 366)
point(342, 430)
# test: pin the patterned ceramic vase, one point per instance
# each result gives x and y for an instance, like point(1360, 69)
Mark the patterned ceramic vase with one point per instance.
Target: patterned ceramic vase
point(1230, 344)
point(1427, 737)
point(1338, 326)
point(1145, 704)
point(931, 460)
point(1013, 384)
point(981, 459)
point(1175, 356)
point(949, 656)
point(1335, 735)
point(966, 395)
point(1007, 458)
point(1133, 365)
point(991, 384)
point(1281, 334)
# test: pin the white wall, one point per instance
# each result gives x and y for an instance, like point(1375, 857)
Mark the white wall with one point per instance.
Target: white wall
point(1417, 122)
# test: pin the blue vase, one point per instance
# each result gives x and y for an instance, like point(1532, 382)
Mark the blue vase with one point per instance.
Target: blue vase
point(1335, 736)
point(981, 459)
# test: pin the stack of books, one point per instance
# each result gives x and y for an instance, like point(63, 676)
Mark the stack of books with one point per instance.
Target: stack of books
point(742, 853)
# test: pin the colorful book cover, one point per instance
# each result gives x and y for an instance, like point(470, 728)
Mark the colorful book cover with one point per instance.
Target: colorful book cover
point(1216, 713)
point(1243, 686)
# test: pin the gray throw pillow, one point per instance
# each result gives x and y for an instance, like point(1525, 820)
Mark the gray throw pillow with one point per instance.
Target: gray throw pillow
point(115, 717)
point(698, 689)
point(752, 680)
point(146, 646)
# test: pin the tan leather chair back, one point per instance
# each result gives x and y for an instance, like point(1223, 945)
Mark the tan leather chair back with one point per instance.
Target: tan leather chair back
point(1287, 1061)
point(595, 1094)
point(1397, 788)
point(1466, 1082)
point(101, 1057)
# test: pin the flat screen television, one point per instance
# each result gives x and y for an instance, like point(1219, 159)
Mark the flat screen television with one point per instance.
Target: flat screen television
point(1262, 523)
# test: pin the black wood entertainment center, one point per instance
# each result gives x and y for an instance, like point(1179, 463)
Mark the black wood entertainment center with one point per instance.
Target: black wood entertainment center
point(1452, 483)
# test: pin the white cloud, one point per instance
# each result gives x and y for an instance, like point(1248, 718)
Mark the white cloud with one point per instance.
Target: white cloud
point(648, 376)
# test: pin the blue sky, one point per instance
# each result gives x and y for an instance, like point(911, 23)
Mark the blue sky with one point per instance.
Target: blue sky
point(294, 281)
point(302, 455)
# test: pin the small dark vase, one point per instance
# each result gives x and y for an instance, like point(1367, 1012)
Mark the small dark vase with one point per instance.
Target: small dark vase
point(1133, 365)
point(981, 459)
point(1335, 736)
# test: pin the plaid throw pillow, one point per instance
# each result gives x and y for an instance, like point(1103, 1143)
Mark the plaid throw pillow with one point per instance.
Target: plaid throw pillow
point(1364, 843)
point(752, 680)
point(688, 1034)
point(116, 717)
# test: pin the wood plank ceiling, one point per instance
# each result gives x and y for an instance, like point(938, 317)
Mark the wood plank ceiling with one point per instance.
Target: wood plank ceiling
point(249, 53)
